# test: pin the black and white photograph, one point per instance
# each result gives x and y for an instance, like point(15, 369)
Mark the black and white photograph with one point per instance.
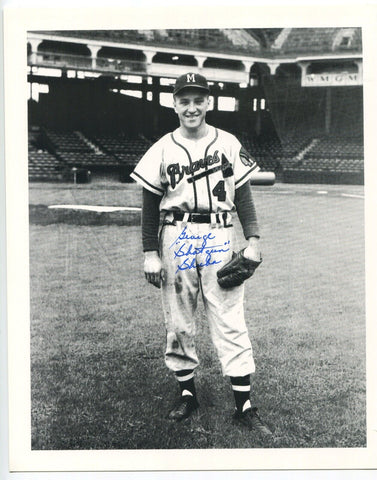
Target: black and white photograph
point(195, 232)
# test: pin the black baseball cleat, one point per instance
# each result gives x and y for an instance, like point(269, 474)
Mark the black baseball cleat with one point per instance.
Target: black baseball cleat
point(251, 419)
point(187, 405)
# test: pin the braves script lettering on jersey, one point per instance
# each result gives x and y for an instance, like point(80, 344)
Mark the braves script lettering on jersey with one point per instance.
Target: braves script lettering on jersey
point(196, 171)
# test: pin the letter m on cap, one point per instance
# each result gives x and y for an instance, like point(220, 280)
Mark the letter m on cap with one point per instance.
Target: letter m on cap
point(190, 77)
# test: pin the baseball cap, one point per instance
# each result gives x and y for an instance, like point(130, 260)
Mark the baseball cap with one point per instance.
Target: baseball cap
point(190, 80)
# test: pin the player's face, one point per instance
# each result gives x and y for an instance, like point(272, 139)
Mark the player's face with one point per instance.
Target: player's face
point(191, 106)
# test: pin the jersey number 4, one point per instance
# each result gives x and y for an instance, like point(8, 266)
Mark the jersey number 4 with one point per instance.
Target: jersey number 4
point(219, 191)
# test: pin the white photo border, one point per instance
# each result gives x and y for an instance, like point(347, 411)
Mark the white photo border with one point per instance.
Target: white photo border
point(17, 22)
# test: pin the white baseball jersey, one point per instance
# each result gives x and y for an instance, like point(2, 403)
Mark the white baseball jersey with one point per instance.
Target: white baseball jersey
point(199, 176)
point(196, 175)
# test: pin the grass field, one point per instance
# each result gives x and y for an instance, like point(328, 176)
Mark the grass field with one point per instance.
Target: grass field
point(97, 332)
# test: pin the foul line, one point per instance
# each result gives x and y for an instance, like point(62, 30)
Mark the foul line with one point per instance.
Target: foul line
point(352, 195)
point(102, 208)
point(96, 208)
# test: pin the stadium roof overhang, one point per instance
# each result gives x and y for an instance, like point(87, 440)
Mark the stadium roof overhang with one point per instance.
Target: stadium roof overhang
point(274, 56)
point(150, 68)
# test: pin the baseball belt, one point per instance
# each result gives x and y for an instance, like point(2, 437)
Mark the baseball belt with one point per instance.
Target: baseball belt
point(220, 218)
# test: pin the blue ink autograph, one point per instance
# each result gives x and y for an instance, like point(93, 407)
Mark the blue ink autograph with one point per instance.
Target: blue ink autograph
point(184, 249)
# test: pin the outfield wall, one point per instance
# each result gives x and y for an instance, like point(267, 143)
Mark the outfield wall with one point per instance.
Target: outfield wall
point(335, 178)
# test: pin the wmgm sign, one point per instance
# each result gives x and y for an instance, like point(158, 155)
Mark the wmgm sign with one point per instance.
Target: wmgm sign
point(331, 79)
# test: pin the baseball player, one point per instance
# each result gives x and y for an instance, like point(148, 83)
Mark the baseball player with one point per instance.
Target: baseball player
point(198, 178)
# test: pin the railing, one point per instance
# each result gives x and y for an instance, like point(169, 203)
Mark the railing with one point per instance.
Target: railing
point(124, 66)
point(62, 60)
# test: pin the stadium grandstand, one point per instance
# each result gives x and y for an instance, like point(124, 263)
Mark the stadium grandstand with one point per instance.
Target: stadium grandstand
point(100, 98)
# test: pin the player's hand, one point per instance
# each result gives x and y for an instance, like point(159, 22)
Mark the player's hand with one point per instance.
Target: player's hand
point(252, 251)
point(153, 270)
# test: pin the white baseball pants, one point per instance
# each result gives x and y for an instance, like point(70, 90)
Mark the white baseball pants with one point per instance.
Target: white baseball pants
point(224, 308)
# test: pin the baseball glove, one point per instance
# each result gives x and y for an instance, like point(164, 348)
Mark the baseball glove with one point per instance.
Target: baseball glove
point(236, 271)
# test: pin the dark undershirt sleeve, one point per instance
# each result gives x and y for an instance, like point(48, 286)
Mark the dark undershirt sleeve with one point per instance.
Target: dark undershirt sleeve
point(246, 211)
point(150, 220)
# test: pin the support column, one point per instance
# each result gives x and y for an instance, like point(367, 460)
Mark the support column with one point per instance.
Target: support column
point(215, 91)
point(328, 110)
point(149, 54)
point(144, 88)
point(304, 71)
point(248, 64)
point(243, 109)
point(147, 127)
point(258, 122)
point(155, 104)
point(273, 66)
point(34, 49)
point(93, 52)
point(359, 64)
point(200, 61)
